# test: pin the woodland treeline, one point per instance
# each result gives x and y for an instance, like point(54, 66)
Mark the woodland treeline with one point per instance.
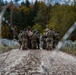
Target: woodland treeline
point(38, 15)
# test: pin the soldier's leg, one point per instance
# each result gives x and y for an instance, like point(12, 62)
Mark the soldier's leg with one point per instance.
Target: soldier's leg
point(50, 46)
point(41, 44)
point(54, 44)
point(47, 45)
point(29, 42)
point(19, 45)
point(38, 46)
point(23, 45)
point(33, 44)
point(26, 42)
point(44, 44)
point(38, 43)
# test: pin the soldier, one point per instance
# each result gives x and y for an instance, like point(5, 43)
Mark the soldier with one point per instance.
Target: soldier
point(34, 40)
point(41, 41)
point(57, 36)
point(56, 39)
point(20, 38)
point(29, 37)
point(44, 37)
point(24, 39)
point(50, 35)
point(38, 39)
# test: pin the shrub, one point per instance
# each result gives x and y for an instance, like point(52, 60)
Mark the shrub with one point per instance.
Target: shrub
point(38, 27)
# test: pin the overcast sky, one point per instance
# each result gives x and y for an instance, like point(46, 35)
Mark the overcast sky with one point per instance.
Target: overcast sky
point(20, 0)
point(53, 1)
point(38, 0)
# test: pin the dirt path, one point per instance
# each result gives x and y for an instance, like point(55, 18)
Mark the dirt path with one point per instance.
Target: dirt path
point(37, 62)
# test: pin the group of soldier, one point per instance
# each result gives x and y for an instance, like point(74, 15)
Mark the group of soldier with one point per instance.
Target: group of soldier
point(29, 39)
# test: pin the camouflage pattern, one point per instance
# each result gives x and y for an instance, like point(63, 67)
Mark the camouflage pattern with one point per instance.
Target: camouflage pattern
point(57, 35)
point(50, 35)
point(44, 41)
point(34, 41)
point(30, 33)
point(56, 39)
point(41, 41)
point(49, 43)
point(24, 40)
point(38, 41)
point(20, 38)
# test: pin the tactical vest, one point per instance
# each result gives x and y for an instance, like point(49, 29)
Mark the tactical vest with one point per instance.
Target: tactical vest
point(20, 36)
point(24, 34)
point(50, 34)
point(34, 37)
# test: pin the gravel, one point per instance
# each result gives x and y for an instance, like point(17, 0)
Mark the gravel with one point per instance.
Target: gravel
point(36, 62)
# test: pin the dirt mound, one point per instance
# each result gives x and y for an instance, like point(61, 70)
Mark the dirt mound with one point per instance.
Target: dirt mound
point(36, 62)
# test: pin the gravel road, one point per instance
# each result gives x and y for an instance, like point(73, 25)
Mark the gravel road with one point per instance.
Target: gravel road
point(36, 62)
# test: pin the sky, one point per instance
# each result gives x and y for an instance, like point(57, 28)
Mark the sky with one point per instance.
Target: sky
point(20, 0)
point(53, 1)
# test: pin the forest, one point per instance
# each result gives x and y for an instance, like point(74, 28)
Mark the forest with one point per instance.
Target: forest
point(38, 15)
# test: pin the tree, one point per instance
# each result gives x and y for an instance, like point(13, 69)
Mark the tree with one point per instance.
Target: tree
point(27, 3)
point(74, 2)
point(40, 19)
point(6, 32)
point(62, 18)
point(1, 2)
point(23, 3)
point(38, 27)
point(36, 7)
point(42, 15)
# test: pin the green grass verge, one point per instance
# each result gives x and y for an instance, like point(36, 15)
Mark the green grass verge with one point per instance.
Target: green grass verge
point(4, 48)
point(71, 51)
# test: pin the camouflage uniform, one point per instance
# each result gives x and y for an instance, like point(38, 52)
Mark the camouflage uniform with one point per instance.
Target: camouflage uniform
point(30, 33)
point(24, 40)
point(33, 41)
point(57, 35)
point(38, 41)
point(56, 39)
point(50, 35)
point(20, 38)
point(41, 41)
point(44, 36)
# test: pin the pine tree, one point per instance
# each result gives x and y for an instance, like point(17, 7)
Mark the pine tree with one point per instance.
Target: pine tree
point(23, 3)
point(36, 7)
point(1, 2)
point(27, 3)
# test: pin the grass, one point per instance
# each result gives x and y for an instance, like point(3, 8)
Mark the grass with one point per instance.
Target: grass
point(4, 48)
point(71, 51)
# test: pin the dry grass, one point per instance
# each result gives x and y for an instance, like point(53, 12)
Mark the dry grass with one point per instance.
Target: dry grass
point(4, 48)
point(69, 50)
